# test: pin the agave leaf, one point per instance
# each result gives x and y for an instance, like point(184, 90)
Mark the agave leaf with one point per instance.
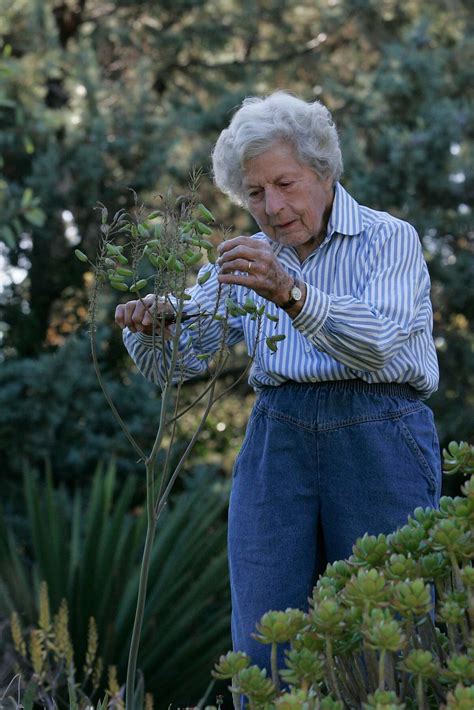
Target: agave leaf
point(97, 542)
point(29, 695)
point(15, 586)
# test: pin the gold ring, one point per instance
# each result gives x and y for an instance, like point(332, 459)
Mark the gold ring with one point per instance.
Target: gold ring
point(249, 267)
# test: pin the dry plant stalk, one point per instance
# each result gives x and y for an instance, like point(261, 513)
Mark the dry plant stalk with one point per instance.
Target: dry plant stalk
point(160, 250)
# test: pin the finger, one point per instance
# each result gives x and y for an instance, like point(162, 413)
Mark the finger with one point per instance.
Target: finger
point(127, 310)
point(120, 315)
point(238, 280)
point(139, 313)
point(147, 318)
point(245, 265)
point(123, 314)
point(149, 304)
point(228, 244)
point(242, 255)
point(243, 251)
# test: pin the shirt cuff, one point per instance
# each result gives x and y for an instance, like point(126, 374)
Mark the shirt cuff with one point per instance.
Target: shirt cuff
point(314, 312)
point(147, 340)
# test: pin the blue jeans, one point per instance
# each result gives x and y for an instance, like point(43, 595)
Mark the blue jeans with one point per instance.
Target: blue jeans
point(320, 465)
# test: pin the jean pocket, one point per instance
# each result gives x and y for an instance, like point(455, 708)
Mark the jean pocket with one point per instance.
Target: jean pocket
point(419, 433)
point(250, 434)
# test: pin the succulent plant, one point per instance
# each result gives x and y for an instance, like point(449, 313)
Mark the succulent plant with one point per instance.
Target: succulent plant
point(369, 639)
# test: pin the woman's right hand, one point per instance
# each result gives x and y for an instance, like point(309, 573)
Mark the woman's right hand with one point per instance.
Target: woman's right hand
point(137, 315)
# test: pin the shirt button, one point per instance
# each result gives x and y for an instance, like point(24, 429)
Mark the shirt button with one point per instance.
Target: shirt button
point(307, 348)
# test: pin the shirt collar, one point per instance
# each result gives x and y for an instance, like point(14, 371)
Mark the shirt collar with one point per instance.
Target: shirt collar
point(346, 217)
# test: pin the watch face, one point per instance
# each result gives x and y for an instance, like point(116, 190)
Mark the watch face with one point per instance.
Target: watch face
point(296, 293)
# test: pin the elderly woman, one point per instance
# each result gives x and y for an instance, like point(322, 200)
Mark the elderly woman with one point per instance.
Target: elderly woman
point(339, 442)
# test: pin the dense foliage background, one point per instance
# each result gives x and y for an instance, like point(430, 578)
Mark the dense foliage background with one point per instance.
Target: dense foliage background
point(97, 97)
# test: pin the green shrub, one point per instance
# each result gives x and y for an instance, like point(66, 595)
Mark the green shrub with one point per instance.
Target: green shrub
point(88, 552)
point(369, 639)
point(53, 413)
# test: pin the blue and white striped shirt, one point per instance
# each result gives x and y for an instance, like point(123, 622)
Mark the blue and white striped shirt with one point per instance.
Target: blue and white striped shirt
point(367, 312)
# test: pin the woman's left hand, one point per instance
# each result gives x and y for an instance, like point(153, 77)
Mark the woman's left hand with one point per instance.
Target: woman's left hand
point(251, 262)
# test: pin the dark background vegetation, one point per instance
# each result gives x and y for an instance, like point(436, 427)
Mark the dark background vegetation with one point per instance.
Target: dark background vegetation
point(97, 97)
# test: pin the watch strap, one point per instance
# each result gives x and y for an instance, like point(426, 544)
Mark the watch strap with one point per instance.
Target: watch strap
point(291, 301)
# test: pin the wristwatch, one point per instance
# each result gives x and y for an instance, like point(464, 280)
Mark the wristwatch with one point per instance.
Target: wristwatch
point(295, 295)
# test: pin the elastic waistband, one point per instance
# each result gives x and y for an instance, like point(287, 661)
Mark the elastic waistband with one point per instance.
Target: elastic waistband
point(390, 389)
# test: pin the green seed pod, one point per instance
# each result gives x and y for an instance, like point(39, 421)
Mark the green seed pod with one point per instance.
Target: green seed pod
point(212, 256)
point(138, 285)
point(277, 338)
point(271, 317)
point(271, 345)
point(153, 243)
point(109, 262)
point(190, 259)
point(121, 258)
point(218, 316)
point(230, 303)
point(178, 266)
point(234, 308)
point(157, 261)
point(124, 271)
point(143, 232)
point(207, 214)
point(187, 227)
point(112, 250)
point(119, 286)
point(206, 244)
point(204, 356)
point(155, 214)
point(194, 241)
point(80, 255)
point(158, 230)
point(204, 277)
point(249, 305)
point(203, 228)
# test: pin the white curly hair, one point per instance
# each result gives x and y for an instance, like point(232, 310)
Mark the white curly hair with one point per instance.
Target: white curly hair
point(259, 123)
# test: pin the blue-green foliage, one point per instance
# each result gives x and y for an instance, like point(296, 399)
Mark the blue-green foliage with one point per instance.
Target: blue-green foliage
point(53, 412)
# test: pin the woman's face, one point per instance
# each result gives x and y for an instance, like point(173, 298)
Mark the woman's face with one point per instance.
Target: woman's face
point(289, 202)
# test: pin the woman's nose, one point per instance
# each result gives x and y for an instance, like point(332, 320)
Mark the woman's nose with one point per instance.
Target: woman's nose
point(273, 202)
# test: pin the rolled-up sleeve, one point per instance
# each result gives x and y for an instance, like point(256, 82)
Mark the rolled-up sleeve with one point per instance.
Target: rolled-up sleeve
point(367, 331)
